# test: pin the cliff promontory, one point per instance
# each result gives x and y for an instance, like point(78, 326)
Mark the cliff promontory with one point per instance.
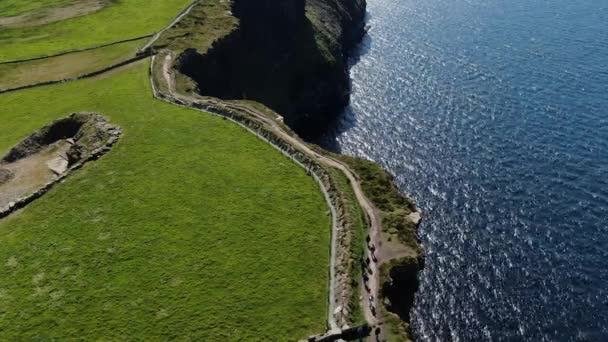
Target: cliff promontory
point(289, 55)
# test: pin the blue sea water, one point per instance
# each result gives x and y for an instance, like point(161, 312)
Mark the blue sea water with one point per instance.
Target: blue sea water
point(493, 115)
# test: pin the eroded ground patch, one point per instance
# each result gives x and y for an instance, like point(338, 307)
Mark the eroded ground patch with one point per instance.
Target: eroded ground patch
point(49, 153)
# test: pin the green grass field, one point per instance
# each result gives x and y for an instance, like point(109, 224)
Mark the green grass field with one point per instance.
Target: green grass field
point(118, 20)
point(16, 7)
point(189, 229)
point(66, 66)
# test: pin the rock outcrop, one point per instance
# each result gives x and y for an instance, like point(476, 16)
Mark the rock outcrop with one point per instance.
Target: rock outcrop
point(398, 292)
point(49, 155)
point(84, 131)
point(5, 175)
point(289, 55)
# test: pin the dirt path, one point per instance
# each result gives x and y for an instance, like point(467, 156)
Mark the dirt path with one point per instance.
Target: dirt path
point(372, 316)
point(167, 75)
point(178, 18)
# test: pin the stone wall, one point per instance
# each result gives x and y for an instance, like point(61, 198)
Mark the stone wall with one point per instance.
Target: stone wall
point(343, 230)
point(15, 61)
point(88, 75)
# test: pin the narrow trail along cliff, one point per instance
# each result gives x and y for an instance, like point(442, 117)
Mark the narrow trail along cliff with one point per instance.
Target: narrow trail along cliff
point(179, 17)
point(370, 302)
point(310, 84)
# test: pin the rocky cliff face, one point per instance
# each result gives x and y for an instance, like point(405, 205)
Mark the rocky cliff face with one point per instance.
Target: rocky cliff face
point(398, 292)
point(289, 55)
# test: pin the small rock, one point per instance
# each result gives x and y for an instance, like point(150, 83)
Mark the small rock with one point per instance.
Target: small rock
point(338, 309)
point(58, 165)
point(415, 217)
point(5, 176)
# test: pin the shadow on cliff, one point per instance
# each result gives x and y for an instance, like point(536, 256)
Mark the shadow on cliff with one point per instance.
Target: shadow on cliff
point(277, 56)
point(288, 74)
point(346, 119)
point(362, 48)
point(400, 284)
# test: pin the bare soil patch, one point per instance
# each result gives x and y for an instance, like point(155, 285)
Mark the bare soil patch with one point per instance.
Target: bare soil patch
point(5, 175)
point(49, 153)
point(31, 173)
point(50, 15)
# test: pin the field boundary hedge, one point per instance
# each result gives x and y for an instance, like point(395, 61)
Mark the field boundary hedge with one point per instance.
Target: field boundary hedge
point(14, 61)
point(88, 75)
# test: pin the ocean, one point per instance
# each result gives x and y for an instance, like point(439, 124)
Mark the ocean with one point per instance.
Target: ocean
point(493, 116)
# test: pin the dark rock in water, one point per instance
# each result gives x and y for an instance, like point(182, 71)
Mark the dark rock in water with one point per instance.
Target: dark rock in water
point(287, 54)
point(5, 175)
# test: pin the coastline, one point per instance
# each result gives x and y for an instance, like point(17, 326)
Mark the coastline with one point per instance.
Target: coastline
point(392, 248)
point(369, 240)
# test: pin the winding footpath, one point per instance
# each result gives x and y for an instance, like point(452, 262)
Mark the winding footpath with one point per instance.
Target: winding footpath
point(369, 299)
point(179, 17)
point(369, 303)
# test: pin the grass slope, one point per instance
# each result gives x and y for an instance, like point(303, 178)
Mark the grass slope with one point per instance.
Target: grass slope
point(16, 7)
point(118, 20)
point(393, 205)
point(66, 66)
point(189, 229)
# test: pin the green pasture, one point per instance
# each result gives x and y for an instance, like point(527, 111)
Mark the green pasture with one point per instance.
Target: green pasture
point(190, 229)
point(15, 7)
point(118, 20)
point(66, 66)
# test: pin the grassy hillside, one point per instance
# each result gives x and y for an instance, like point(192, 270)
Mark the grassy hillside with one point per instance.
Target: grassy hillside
point(189, 229)
point(116, 21)
point(16, 7)
point(66, 66)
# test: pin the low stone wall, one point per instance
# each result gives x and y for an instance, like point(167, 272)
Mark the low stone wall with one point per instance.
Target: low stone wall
point(349, 334)
point(114, 133)
point(147, 48)
point(91, 74)
point(341, 238)
point(14, 61)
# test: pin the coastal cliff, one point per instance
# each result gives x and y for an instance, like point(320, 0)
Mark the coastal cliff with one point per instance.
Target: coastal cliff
point(289, 55)
point(400, 254)
point(399, 287)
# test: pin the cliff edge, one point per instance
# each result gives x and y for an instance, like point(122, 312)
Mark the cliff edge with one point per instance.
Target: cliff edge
point(289, 55)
